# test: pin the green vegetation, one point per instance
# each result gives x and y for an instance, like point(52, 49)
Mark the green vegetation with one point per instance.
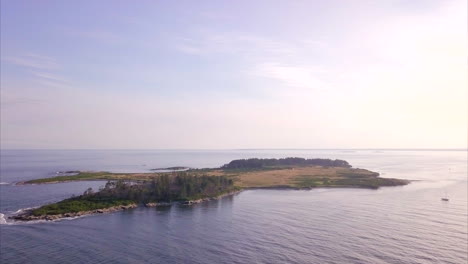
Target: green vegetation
point(361, 182)
point(176, 168)
point(91, 176)
point(79, 204)
point(166, 188)
point(234, 168)
point(249, 173)
point(179, 186)
point(262, 163)
point(129, 189)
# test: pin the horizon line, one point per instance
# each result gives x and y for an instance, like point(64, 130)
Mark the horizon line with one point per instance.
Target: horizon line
point(246, 149)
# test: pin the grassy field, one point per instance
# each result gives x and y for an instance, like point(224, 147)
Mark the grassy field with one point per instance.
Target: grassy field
point(92, 176)
point(311, 177)
point(270, 177)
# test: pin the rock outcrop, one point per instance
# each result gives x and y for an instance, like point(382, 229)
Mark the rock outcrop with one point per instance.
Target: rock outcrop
point(28, 216)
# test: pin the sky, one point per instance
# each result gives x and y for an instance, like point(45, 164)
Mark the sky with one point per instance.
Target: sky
point(233, 74)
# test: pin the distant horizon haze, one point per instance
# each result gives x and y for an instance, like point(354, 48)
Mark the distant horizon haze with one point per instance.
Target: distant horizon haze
point(247, 149)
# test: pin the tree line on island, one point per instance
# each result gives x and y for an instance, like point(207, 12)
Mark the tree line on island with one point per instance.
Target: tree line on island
point(263, 163)
point(179, 186)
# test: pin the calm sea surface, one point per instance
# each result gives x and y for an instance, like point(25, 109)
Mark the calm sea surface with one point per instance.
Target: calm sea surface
point(408, 224)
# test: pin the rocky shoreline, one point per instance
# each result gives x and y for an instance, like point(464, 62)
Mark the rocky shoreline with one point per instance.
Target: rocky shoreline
point(55, 182)
point(28, 216)
point(192, 202)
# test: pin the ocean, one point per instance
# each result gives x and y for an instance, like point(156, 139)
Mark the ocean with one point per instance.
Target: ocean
point(406, 224)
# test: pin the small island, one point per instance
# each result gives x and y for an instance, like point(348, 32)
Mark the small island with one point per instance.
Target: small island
point(128, 190)
point(176, 168)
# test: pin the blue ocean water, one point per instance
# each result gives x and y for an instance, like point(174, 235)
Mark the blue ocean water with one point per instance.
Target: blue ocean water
point(408, 224)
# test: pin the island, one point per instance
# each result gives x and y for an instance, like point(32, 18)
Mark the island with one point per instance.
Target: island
point(190, 186)
point(176, 168)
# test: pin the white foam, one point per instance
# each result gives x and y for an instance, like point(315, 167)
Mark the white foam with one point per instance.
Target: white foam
point(13, 222)
point(4, 183)
point(24, 209)
point(2, 219)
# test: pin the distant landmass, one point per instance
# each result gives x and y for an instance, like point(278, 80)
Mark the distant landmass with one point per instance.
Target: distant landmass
point(176, 168)
point(262, 163)
point(129, 190)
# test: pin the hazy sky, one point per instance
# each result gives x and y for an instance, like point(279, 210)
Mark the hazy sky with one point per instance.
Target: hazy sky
point(234, 74)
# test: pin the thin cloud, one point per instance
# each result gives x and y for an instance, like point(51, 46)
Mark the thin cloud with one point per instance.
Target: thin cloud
point(8, 100)
point(54, 84)
point(216, 16)
point(33, 61)
point(99, 35)
point(239, 43)
point(43, 70)
point(304, 77)
point(49, 76)
point(189, 46)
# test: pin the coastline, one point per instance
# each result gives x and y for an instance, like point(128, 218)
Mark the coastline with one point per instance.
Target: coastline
point(26, 215)
point(129, 190)
point(56, 182)
point(192, 202)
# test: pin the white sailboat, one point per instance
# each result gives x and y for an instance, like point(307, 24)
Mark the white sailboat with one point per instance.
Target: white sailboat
point(445, 198)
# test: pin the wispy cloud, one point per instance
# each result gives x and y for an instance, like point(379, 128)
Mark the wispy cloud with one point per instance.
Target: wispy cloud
point(34, 61)
point(217, 16)
point(189, 46)
point(98, 35)
point(10, 97)
point(232, 42)
point(304, 77)
point(49, 76)
point(19, 101)
point(287, 63)
point(42, 70)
